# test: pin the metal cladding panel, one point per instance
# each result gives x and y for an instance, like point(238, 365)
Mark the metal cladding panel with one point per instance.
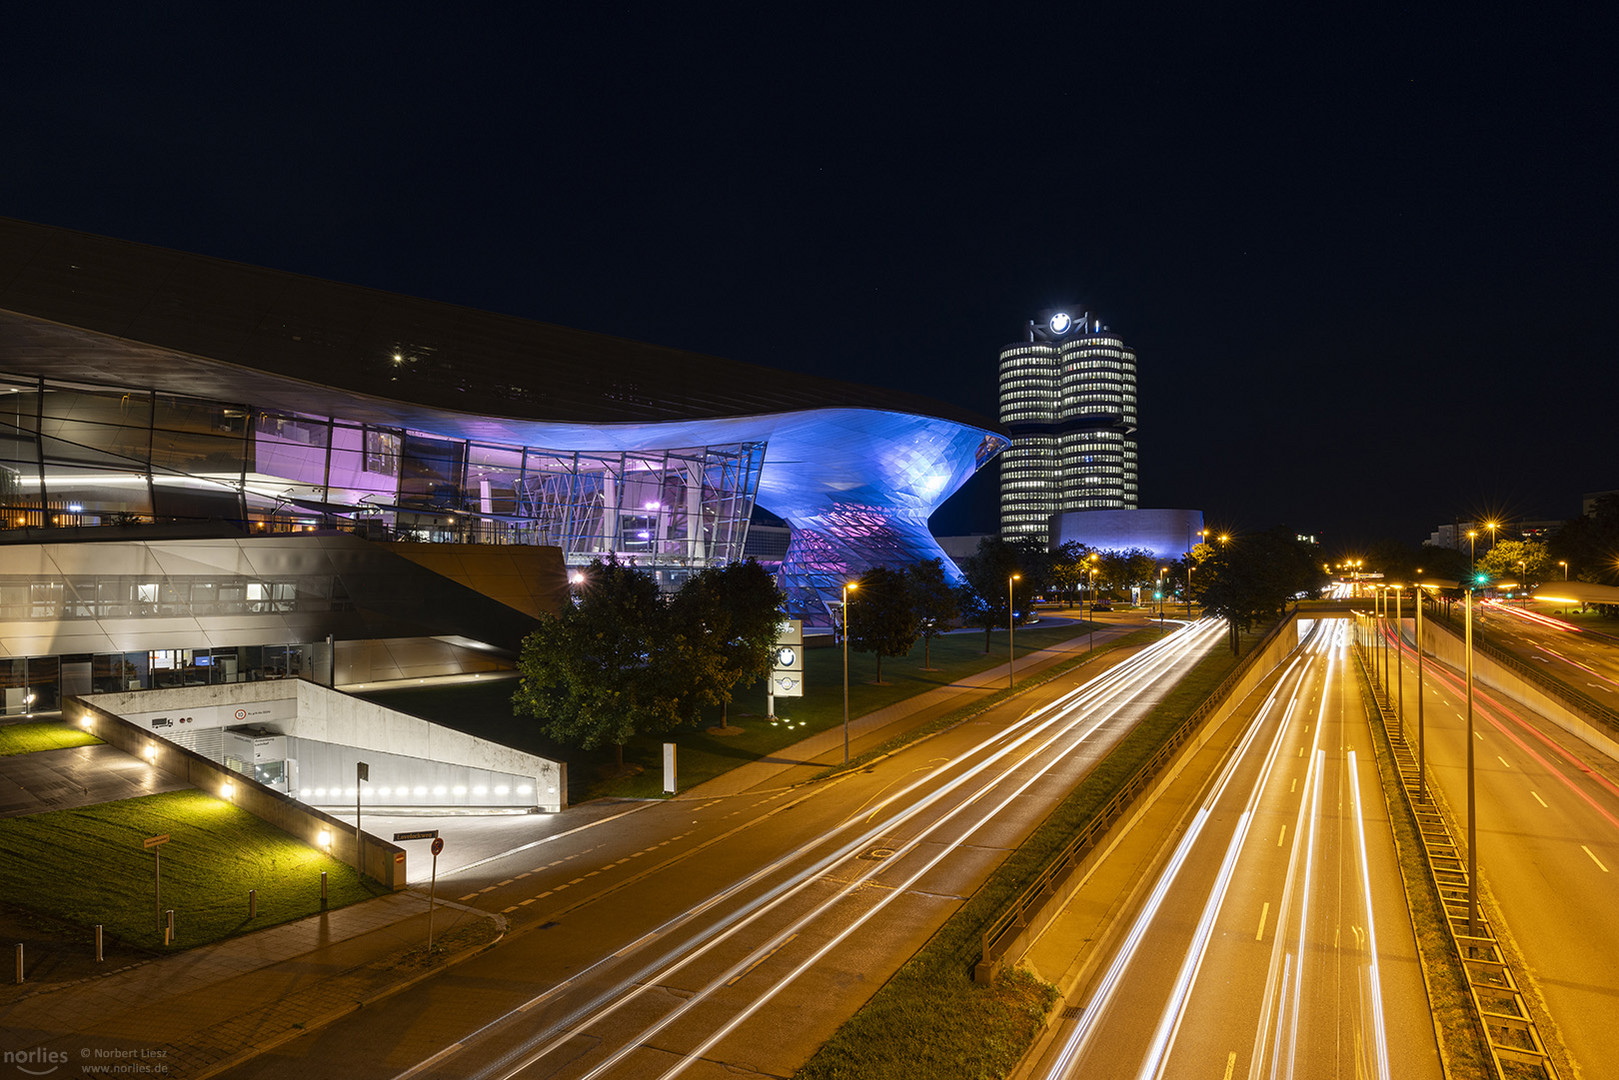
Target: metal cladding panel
point(278, 328)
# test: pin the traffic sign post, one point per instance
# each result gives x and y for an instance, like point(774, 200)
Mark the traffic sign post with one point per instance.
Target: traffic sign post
point(154, 844)
point(432, 891)
point(432, 888)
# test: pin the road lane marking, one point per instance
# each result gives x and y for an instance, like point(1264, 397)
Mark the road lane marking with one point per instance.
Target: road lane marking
point(526, 903)
point(1538, 799)
point(1264, 912)
point(468, 896)
point(1300, 753)
point(1283, 836)
point(1594, 859)
point(1503, 761)
point(1230, 1064)
point(508, 911)
point(1294, 787)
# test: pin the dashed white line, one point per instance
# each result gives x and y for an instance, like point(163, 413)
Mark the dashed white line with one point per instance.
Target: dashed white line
point(1594, 859)
point(1538, 799)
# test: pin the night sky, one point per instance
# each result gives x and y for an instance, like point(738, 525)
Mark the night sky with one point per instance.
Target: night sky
point(1366, 257)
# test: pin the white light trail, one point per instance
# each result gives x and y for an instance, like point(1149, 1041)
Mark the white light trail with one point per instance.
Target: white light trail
point(1056, 721)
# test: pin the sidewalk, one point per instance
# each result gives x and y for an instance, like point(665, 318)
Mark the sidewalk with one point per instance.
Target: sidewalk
point(206, 1009)
point(202, 1011)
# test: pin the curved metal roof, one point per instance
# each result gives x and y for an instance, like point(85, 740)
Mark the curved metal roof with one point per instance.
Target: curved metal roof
point(80, 306)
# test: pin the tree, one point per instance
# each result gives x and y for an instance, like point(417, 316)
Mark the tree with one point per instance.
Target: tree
point(982, 600)
point(1070, 569)
point(1589, 543)
point(588, 674)
point(881, 620)
point(1248, 578)
point(724, 622)
point(1504, 557)
point(933, 603)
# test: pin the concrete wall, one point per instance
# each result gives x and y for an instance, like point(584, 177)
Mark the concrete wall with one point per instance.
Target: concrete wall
point(1446, 646)
point(374, 857)
point(303, 709)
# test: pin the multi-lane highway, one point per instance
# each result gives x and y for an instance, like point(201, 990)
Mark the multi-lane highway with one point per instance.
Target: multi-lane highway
point(734, 935)
point(1275, 941)
point(1548, 846)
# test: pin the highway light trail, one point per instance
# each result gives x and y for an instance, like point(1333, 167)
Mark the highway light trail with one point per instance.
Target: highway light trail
point(1038, 742)
point(1322, 962)
point(1079, 1039)
point(1492, 710)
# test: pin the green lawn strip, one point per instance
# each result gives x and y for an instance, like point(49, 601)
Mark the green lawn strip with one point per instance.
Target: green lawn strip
point(88, 866)
point(483, 708)
point(1460, 1039)
point(930, 1019)
point(30, 737)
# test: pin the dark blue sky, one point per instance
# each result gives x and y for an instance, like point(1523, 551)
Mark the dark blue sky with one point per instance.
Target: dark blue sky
point(1366, 257)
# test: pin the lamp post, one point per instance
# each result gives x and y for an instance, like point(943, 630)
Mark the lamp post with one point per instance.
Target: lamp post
point(1162, 599)
point(1564, 565)
point(1422, 773)
point(1092, 622)
point(1472, 561)
point(1472, 817)
point(1011, 640)
point(1523, 574)
point(848, 587)
point(1492, 526)
point(1399, 668)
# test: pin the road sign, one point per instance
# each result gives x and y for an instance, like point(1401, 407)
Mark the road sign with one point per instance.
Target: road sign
point(424, 834)
point(153, 841)
point(438, 845)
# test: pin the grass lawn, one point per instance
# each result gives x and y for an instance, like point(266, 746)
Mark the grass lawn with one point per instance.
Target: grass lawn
point(87, 866)
point(27, 737)
point(930, 1019)
point(483, 708)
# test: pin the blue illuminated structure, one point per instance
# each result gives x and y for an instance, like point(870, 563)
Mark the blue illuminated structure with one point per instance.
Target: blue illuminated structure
point(145, 387)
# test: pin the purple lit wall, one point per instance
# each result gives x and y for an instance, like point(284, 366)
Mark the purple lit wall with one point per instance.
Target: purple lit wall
point(1168, 534)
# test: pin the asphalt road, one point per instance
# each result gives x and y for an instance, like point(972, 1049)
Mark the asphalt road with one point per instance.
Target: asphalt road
point(1548, 847)
point(732, 936)
point(1275, 940)
point(1585, 660)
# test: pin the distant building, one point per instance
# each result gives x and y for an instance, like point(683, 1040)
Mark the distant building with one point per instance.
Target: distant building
point(1068, 400)
point(1454, 534)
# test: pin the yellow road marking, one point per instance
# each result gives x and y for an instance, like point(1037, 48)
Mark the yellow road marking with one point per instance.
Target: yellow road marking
point(1538, 799)
point(1264, 913)
point(1594, 859)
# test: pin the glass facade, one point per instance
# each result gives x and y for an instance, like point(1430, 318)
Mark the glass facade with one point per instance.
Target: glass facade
point(74, 455)
point(1068, 398)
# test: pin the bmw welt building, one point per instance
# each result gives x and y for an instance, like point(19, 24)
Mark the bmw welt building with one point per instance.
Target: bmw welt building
point(212, 473)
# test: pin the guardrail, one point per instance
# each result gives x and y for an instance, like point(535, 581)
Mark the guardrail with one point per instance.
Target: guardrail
point(1571, 698)
point(1500, 1008)
point(1003, 929)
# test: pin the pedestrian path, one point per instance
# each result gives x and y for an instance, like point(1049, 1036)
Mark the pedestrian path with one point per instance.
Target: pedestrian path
point(202, 1010)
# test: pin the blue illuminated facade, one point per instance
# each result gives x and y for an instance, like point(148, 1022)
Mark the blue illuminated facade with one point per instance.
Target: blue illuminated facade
point(148, 388)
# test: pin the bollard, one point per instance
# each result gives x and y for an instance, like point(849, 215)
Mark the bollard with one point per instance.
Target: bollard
point(323, 890)
point(252, 903)
point(99, 956)
point(168, 928)
point(19, 963)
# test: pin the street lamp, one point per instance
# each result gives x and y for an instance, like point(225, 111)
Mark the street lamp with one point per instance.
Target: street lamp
point(1092, 623)
point(1472, 816)
point(1472, 536)
point(1162, 599)
point(1492, 526)
point(848, 587)
point(1011, 640)
point(1564, 565)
